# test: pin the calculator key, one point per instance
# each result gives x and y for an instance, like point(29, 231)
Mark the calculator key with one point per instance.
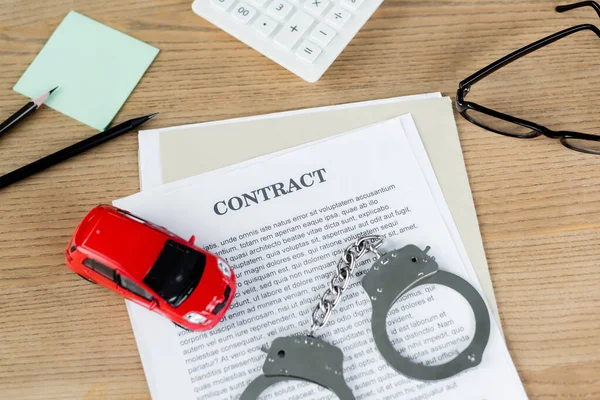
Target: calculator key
point(258, 3)
point(265, 25)
point(337, 17)
point(243, 13)
point(294, 29)
point(222, 5)
point(351, 5)
point(279, 9)
point(316, 7)
point(322, 34)
point(308, 52)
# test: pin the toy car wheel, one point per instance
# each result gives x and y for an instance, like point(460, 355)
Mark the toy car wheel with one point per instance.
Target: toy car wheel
point(87, 279)
point(182, 327)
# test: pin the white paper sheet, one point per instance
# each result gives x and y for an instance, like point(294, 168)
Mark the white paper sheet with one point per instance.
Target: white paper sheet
point(376, 161)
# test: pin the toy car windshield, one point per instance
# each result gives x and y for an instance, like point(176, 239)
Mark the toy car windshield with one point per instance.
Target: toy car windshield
point(176, 272)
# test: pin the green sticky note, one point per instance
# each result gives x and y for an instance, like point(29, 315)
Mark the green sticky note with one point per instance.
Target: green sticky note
point(95, 68)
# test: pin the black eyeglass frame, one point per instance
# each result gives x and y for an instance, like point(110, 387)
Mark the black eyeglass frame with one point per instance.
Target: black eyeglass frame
point(464, 106)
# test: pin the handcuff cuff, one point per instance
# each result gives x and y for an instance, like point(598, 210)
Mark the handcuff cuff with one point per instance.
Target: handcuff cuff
point(309, 359)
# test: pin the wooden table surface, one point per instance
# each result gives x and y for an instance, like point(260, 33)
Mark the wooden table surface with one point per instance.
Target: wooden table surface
point(538, 203)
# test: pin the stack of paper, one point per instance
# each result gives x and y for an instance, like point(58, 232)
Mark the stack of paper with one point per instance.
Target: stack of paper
point(312, 201)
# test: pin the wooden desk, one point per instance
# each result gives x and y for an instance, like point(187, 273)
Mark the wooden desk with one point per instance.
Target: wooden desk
point(538, 203)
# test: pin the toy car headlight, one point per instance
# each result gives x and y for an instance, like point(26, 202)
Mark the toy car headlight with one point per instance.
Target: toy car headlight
point(224, 268)
point(195, 318)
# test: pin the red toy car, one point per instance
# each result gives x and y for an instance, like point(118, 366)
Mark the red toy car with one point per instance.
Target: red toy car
point(153, 267)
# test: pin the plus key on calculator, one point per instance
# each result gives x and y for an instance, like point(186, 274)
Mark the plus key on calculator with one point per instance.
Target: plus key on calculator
point(304, 36)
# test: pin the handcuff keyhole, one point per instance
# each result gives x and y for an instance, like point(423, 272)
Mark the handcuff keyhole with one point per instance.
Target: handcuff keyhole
point(281, 353)
point(414, 259)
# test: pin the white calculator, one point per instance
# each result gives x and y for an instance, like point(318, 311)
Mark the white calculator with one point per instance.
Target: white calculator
point(304, 36)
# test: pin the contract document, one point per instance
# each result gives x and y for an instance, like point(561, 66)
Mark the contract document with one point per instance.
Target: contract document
point(282, 222)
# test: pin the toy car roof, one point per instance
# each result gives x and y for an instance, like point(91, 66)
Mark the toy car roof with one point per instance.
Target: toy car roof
point(124, 241)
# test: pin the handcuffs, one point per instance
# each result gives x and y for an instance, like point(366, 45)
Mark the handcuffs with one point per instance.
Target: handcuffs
point(302, 358)
point(309, 359)
point(399, 271)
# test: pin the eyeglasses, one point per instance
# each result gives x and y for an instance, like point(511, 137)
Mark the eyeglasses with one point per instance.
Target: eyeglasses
point(508, 125)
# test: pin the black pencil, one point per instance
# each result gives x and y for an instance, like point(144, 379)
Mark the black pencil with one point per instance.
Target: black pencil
point(20, 115)
point(72, 150)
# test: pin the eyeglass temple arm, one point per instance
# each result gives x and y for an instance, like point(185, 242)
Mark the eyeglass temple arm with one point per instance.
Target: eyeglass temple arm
point(569, 7)
point(515, 55)
point(479, 75)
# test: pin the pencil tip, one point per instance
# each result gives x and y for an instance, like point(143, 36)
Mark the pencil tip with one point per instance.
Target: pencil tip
point(141, 120)
point(40, 100)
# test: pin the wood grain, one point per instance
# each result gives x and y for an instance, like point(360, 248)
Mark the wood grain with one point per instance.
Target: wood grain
point(538, 203)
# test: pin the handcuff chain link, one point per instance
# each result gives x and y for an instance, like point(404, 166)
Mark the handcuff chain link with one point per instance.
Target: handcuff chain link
point(340, 281)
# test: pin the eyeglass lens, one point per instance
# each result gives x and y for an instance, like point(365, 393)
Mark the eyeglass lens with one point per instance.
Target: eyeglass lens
point(500, 125)
point(586, 146)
